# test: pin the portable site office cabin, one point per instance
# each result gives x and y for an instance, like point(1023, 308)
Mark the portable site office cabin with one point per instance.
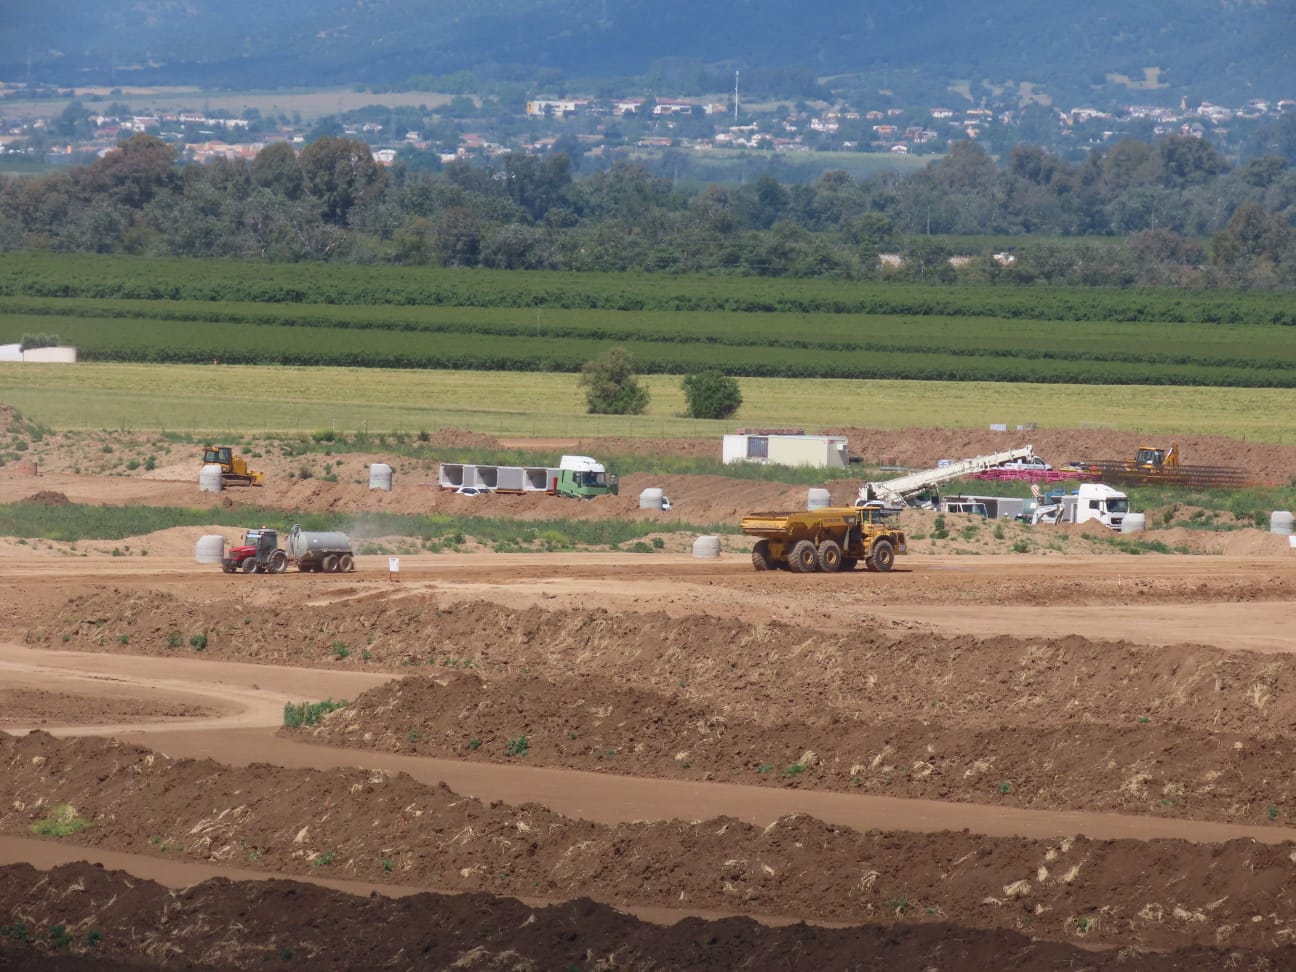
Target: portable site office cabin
point(818, 451)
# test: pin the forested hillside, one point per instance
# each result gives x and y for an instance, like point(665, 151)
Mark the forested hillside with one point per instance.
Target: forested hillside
point(1166, 213)
point(1097, 52)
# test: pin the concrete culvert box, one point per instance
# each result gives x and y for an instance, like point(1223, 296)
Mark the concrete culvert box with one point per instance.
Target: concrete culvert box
point(1281, 521)
point(380, 476)
point(817, 499)
point(210, 549)
point(706, 547)
point(1133, 523)
point(650, 499)
point(209, 478)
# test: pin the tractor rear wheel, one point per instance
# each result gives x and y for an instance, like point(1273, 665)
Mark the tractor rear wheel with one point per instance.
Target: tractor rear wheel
point(882, 556)
point(346, 563)
point(830, 557)
point(330, 563)
point(278, 562)
point(761, 559)
point(803, 559)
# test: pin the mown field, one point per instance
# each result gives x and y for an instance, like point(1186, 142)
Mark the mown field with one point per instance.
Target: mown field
point(123, 309)
point(250, 400)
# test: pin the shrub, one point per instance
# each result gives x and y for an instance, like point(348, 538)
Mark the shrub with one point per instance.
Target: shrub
point(611, 387)
point(711, 394)
point(517, 746)
point(60, 821)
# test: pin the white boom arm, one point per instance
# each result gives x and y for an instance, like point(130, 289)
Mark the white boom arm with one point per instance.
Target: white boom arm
point(896, 492)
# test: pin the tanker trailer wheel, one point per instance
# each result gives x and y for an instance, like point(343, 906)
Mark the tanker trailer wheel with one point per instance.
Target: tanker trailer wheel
point(882, 556)
point(346, 563)
point(278, 562)
point(803, 559)
point(250, 566)
point(830, 557)
point(330, 563)
point(761, 558)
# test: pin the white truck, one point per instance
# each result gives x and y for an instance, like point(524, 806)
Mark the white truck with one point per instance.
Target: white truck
point(1092, 501)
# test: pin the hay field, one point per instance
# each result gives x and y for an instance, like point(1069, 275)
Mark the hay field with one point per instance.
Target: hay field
point(239, 398)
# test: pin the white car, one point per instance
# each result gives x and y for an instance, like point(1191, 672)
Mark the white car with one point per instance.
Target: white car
point(1034, 462)
point(474, 491)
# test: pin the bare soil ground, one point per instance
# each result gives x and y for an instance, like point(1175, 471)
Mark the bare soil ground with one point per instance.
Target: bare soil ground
point(1070, 757)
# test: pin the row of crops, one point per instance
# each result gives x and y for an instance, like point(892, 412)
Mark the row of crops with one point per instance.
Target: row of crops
point(119, 309)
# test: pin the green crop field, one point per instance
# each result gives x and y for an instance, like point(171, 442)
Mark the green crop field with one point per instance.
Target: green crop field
point(124, 309)
point(246, 399)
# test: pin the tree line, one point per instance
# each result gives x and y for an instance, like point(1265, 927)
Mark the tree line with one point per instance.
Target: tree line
point(1166, 213)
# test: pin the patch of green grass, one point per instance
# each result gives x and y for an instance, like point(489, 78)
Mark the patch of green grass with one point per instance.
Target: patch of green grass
point(309, 713)
point(341, 650)
point(60, 820)
point(325, 859)
point(198, 641)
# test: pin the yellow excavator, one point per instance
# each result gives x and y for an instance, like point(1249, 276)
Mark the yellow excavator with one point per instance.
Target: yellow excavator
point(234, 468)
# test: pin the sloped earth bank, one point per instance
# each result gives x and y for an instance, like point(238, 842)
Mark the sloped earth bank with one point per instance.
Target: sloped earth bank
point(218, 924)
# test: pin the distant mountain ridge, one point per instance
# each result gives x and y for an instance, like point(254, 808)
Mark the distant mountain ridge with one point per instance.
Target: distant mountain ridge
point(1101, 51)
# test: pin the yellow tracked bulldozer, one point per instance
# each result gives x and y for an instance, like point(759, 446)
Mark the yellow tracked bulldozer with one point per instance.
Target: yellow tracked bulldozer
point(234, 468)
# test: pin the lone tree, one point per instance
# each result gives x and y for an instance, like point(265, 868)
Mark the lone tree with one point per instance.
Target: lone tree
point(711, 394)
point(611, 387)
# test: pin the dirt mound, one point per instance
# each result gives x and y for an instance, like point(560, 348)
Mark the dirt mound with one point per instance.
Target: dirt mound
point(361, 825)
point(48, 497)
point(1169, 769)
point(109, 917)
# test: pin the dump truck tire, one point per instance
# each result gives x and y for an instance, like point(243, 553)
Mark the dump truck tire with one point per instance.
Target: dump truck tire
point(761, 559)
point(829, 557)
point(803, 559)
point(849, 563)
point(882, 556)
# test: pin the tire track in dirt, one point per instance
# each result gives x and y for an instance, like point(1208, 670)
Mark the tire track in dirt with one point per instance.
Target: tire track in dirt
point(246, 737)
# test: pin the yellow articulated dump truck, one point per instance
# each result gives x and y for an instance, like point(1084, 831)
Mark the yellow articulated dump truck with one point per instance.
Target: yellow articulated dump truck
point(828, 539)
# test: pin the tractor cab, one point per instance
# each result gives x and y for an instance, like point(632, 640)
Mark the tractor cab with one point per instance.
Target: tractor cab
point(259, 553)
point(223, 455)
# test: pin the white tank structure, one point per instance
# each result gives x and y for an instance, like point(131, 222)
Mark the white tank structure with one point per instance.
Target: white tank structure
point(210, 549)
point(650, 498)
point(707, 547)
point(326, 551)
point(380, 476)
point(817, 498)
point(1133, 523)
point(1282, 522)
point(209, 478)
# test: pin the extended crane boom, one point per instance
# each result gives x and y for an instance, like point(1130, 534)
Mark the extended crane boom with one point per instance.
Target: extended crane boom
point(897, 493)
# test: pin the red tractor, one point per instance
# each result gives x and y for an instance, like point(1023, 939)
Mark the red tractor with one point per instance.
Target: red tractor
point(259, 554)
